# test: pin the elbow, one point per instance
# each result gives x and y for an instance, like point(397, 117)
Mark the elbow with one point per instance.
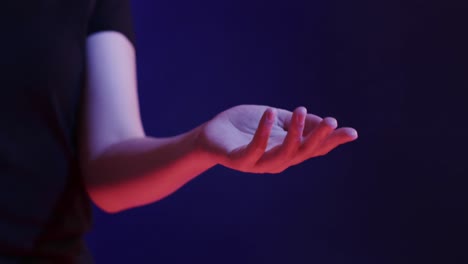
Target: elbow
point(101, 195)
point(105, 201)
point(110, 197)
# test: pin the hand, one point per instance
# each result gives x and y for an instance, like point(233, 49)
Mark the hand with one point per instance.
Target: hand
point(262, 139)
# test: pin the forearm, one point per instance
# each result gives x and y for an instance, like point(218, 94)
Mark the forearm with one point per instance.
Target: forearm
point(143, 170)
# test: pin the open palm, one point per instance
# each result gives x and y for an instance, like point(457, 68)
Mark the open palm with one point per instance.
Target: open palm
point(263, 139)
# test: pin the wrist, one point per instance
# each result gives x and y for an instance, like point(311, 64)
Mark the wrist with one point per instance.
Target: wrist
point(202, 148)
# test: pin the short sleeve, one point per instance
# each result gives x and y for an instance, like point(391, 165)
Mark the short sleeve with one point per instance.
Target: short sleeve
point(112, 15)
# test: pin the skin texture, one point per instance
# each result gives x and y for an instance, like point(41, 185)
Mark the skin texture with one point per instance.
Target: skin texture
point(263, 139)
point(124, 168)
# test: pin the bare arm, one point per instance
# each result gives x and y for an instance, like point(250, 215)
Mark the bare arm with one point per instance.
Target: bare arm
point(139, 171)
point(123, 168)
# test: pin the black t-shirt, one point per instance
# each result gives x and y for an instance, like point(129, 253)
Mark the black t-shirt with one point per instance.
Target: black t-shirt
point(44, 209)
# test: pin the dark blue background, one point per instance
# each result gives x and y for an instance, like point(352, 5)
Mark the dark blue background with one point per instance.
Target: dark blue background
point(395, 71)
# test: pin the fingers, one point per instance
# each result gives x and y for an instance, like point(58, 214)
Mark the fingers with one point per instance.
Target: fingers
point(285, 118)
point(283, 153)
point(318, 135)
point(256, 148)
point(337, 138)
point(311, 122)
point(293, 139)
point(307, 136)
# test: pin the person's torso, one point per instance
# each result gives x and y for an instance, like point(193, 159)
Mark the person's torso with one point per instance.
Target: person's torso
point(41, 79)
